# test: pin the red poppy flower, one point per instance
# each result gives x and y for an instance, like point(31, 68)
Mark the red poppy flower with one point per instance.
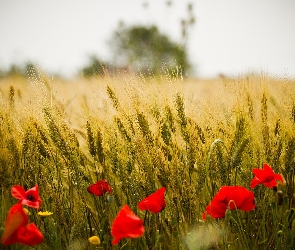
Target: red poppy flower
point(126, 225)
point(16, 218)
point(17, 231)
point(265, 176)
point(30, 235)
point(154, 202)
point(99, 188)
point(231, 197)
point(30, 198)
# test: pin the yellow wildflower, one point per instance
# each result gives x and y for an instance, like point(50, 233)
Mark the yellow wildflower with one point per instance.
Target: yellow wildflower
point(27, 212)
point(44, 214)
point(94, 240)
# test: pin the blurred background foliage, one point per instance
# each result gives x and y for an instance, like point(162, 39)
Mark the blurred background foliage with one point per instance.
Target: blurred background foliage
point(18, 70)
point(134, 48)
point(146, 48)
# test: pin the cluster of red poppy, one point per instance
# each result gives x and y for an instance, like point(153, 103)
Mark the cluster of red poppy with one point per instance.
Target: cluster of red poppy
point(17, 229)
point(238, 197)
point(127, 224)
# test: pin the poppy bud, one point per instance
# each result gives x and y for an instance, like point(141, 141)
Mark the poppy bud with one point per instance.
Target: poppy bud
point(227, 214)
point(279, 233)
point(159, 236)
point(110, 198)
point(280, 197)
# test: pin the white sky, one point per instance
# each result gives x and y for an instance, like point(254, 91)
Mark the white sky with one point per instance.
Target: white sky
point(233, 37)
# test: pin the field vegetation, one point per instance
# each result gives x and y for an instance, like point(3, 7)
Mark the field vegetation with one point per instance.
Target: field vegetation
point(143, 133)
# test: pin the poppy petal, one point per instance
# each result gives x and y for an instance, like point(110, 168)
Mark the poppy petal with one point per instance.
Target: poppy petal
point(215, 210)
point(18, 192)
point(237, 197)
point(147, 205)
point(29, 203)
point(279, 177)
point(248, 204)
point(99, 188)
point(155, 202)
point(255, 181)
point(30, 198)
point(106, 187)
point(116, 240)
point(30, 235)
point(204, 215)
point(267, 168)
point(95, 189)
point(16, 218)
point(265, 176)
point(126, 225)
point(259, 173)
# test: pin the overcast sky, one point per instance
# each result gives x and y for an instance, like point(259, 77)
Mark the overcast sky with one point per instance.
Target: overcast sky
point(232, 37)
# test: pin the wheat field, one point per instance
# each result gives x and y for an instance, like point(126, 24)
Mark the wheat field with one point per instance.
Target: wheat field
point(192, 136)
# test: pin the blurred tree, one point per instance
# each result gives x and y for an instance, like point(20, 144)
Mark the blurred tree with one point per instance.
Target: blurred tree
point(18, 70)
point(96, 67)
point(145, 48)
point(2, 73)
point(26, 70)
point(14, 70)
